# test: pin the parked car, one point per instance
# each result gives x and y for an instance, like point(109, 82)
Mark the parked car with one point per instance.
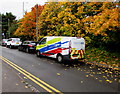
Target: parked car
point(27, 46)
point(4, 42)
point(61, 48)
point(13, 42)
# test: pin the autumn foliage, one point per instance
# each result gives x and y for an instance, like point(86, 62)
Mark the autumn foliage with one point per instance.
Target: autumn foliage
point(105, 24)
point(27, 25)
point(97, 22)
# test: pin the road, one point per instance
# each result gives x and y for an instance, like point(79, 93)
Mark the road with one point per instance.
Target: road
point(46, 75)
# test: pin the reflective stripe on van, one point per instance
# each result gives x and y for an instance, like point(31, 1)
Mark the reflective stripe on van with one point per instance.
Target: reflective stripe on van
point(77, 54)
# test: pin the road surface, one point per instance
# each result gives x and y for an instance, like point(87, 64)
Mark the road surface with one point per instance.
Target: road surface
point(24, 72)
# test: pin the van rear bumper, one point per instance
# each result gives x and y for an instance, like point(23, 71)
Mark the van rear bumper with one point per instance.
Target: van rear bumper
point(67, 57)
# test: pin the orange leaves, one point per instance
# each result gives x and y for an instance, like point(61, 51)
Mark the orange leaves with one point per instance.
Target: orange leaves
point(104, 21)
point(72, 19)
point(80, 9)
point(27, 25)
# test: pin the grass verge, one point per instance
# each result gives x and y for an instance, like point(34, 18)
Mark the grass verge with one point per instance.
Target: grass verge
point(101, 56)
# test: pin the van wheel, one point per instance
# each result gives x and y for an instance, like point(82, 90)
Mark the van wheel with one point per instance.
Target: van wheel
point(38, 54)
point(60, 58)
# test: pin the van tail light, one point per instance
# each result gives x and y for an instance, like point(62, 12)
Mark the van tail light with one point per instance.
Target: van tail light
point(30, 45)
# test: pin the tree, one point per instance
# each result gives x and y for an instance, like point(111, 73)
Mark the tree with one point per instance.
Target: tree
point(48, 18)
point(13, 28)
point(7, 20)
point(27, 25)
point(58, 18)
point(78, 19)
point(105, 25)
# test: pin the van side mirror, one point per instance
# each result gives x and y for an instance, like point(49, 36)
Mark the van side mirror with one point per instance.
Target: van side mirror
point(41, 42)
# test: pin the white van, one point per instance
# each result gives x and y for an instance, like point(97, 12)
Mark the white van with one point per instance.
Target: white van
point(61, 48)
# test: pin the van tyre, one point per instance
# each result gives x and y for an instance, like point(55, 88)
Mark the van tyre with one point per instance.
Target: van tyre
point(60, 59)
point(38, 54)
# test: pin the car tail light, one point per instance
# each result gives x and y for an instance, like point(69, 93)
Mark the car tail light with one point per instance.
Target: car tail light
point(30, 45)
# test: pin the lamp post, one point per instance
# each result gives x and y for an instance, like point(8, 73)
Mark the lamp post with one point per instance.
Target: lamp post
point(8, 27)
point(37, 22)
point(23, 9)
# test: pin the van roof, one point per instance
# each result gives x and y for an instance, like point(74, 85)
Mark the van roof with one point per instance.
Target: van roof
point(60, 36)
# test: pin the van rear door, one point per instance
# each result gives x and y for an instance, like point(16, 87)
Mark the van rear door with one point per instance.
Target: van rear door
point(77, 48)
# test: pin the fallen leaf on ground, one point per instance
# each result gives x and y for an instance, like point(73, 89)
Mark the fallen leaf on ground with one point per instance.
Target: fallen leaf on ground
point(96, 78)
point(17, 84)
point(25, 77)
point(107, 80)
point(98, 68)
point(81, 81)
point(100, 80)
point(22, 81)
point(26, 86)
point(115, 79)
point(104, 77)
point(58, 74)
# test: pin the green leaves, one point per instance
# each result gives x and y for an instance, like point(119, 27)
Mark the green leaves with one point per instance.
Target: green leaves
point(7, 22)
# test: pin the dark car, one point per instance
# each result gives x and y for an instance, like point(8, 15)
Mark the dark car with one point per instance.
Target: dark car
point(27, 46)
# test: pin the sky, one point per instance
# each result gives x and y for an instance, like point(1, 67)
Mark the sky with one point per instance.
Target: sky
point(16, 6)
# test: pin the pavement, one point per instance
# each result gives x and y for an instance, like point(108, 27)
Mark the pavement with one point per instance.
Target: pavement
point(11, 81)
